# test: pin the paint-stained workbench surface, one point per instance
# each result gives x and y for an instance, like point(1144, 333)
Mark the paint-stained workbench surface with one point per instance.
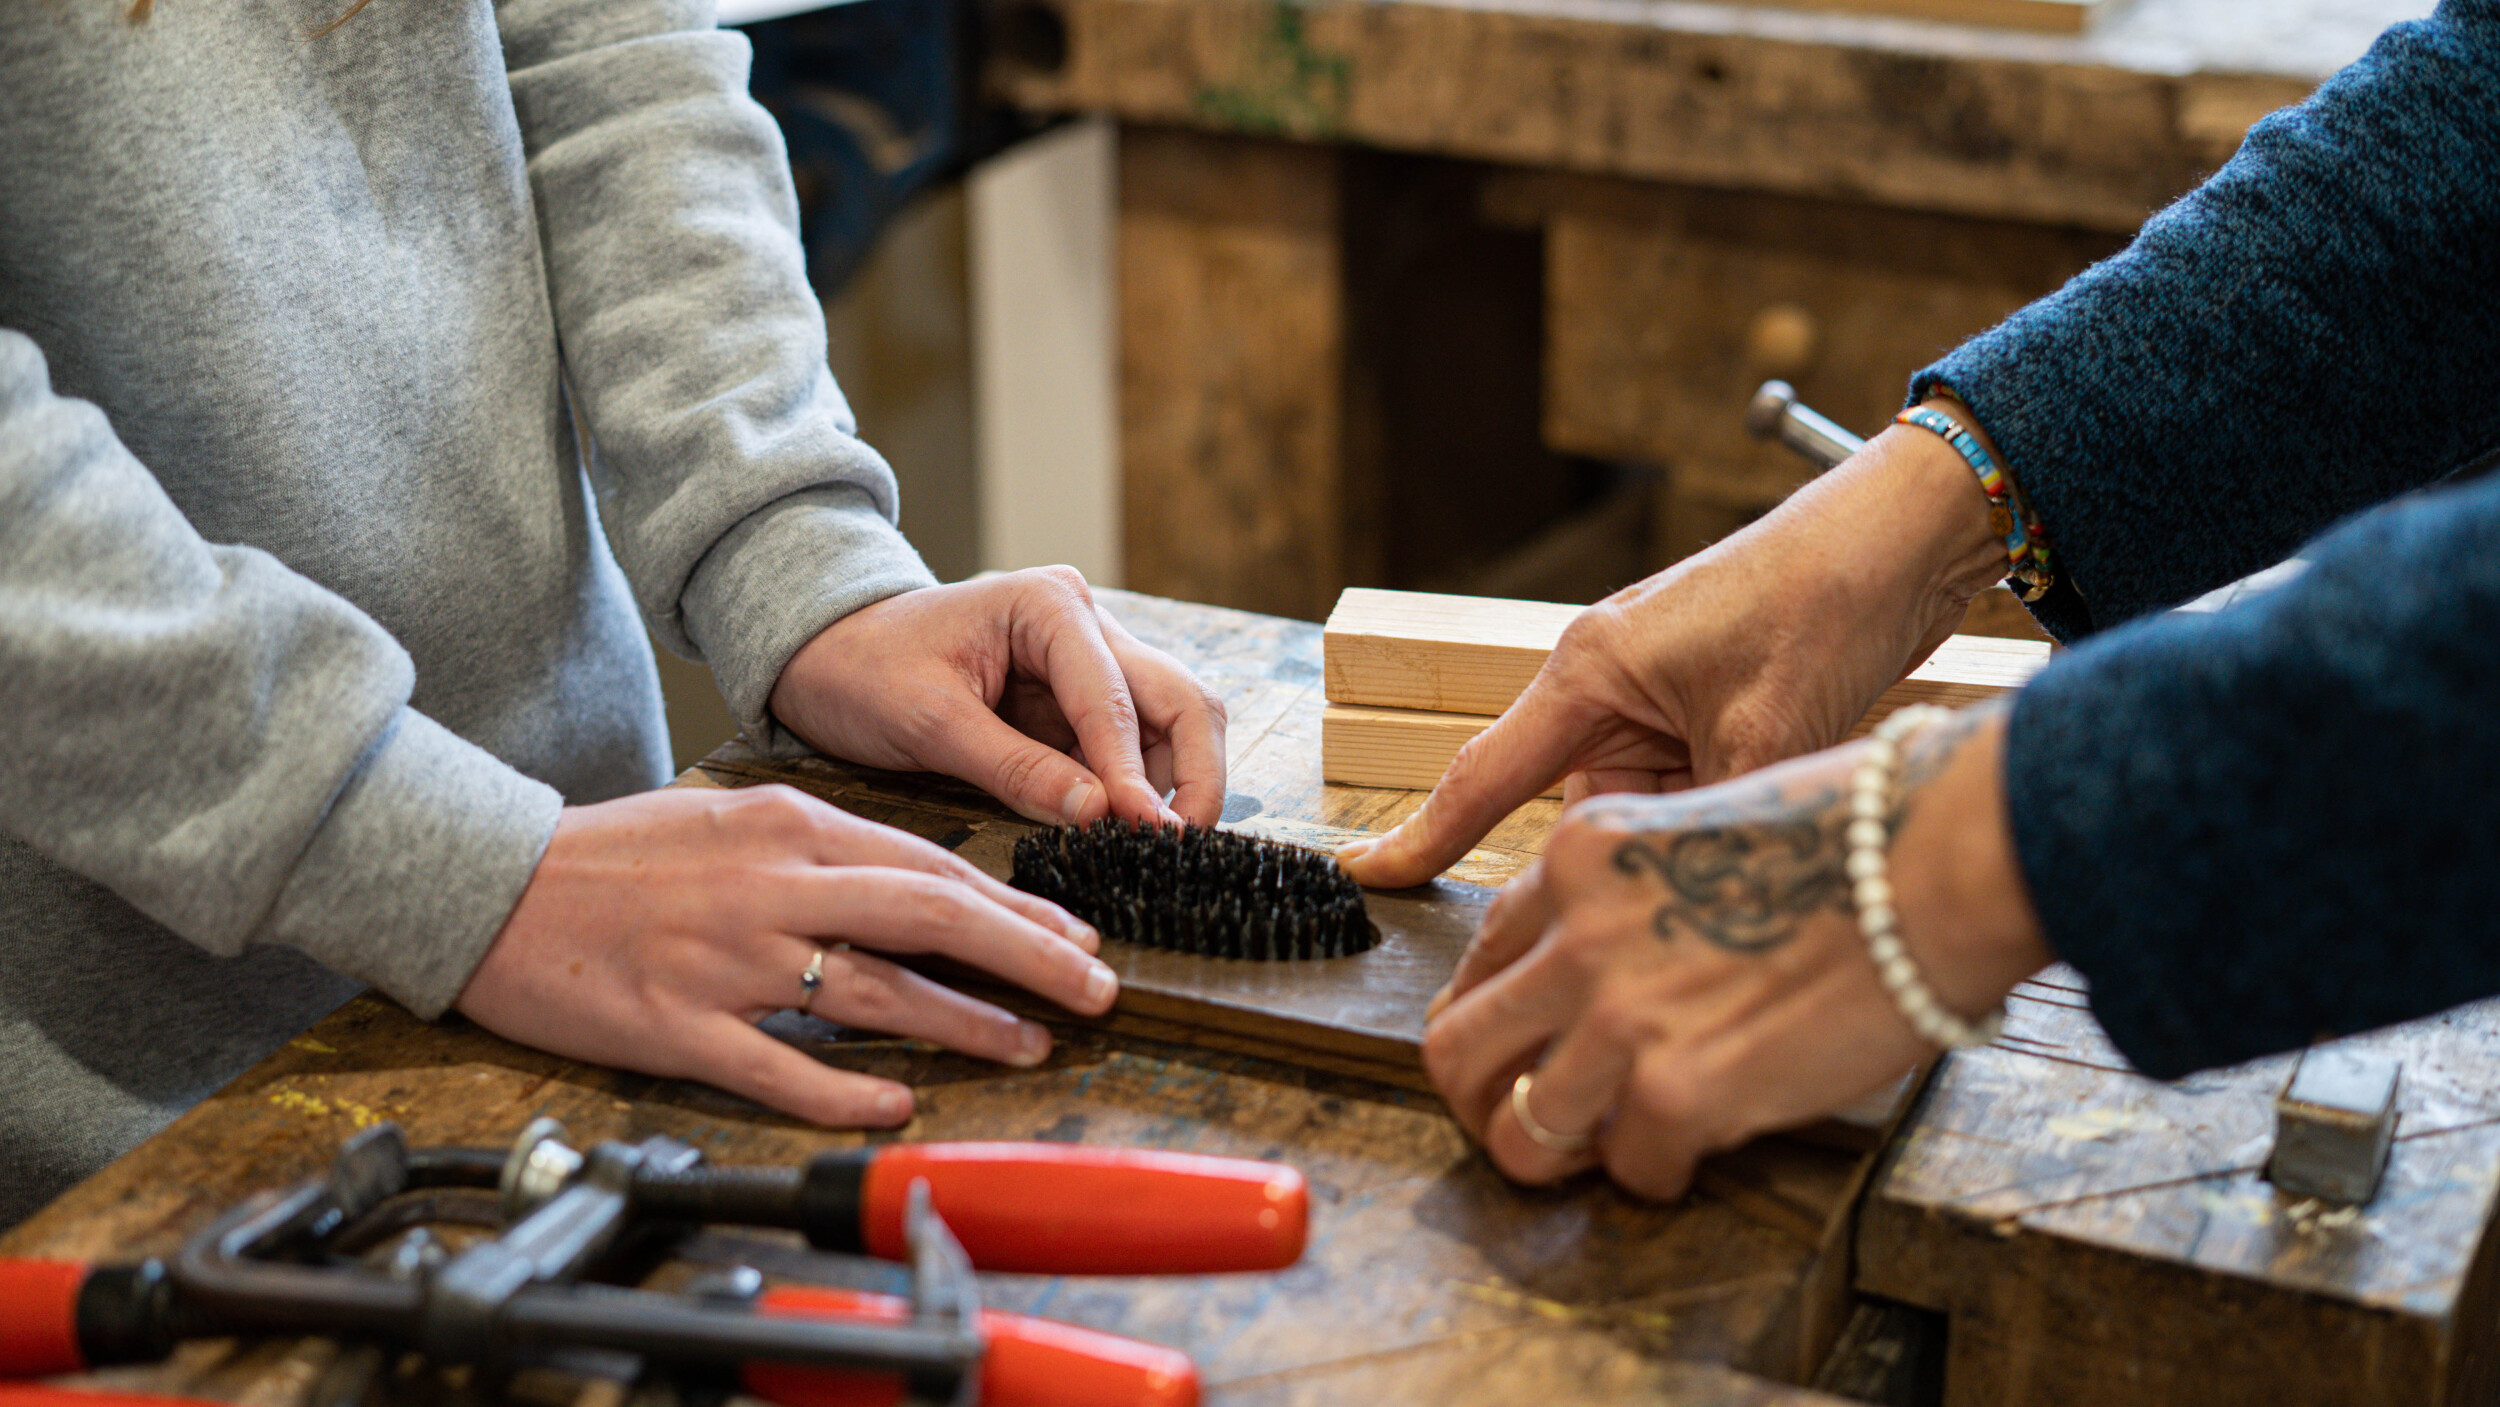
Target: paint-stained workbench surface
point(1428, 1279)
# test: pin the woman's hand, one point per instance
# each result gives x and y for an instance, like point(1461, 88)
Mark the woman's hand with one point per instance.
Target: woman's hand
point(1021, 685)
point(659, 928)
point(1685, 972)
point(1770, 644)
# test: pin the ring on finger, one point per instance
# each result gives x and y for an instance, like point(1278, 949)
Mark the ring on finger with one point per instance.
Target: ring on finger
point(1537, 1133)
point(812, 980)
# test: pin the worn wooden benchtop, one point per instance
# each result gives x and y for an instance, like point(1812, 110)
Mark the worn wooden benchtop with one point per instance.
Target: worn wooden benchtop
point(2091, 1236)
point(1428, 1278)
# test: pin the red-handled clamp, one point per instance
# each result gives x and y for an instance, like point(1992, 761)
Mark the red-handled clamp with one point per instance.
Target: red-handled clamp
point(1047, 1208)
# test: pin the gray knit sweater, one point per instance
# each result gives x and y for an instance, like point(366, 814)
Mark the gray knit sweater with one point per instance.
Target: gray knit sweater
point(353, 391)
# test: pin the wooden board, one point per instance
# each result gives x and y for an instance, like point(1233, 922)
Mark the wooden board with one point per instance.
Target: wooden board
point(1411, 651)
point(2095, 1236)
point(1395, 658)
point(1363, 746)
point(1425, 650)
point(2095, 131)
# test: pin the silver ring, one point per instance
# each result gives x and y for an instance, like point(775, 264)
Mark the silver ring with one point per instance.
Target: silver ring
point(811, 980)
point(1537, 1133)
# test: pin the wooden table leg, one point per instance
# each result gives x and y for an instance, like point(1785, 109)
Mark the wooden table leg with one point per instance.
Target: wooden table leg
point(1233, 424)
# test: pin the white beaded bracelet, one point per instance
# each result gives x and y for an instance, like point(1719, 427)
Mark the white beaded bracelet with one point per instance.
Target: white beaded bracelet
point(1873, 788)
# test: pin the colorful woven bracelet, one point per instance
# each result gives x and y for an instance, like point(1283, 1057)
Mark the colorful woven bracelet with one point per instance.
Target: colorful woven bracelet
point(2009, 516)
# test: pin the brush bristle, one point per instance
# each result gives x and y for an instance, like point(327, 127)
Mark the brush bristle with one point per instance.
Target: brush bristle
point(1197, 891)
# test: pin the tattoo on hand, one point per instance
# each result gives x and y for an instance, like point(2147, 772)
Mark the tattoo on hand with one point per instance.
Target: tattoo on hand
point(1748, 869)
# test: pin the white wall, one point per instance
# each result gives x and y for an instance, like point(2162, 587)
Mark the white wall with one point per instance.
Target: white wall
point(1043, 360)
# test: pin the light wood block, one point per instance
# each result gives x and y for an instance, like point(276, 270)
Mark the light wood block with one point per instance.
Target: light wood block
point(1413, 650)
point(1450, 654)
point(1363, 746)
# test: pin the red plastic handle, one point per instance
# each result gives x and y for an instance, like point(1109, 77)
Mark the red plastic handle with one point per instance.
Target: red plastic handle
point(1031, 1362)
point(36, 1395)
point(1066, 1209)
point(39, 1318)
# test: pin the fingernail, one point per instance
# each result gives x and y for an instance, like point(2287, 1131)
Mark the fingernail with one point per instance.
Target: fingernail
point(1079, 798)
point(1357, 849)
point(893, 1106)
point(1032, 1045)
point(1432, 1008)
point(1101, 985)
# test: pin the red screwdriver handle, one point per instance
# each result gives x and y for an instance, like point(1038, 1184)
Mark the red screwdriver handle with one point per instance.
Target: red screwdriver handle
point(1067, 1209)
point(37, 1395)
point(1030, 1362)
point(39, 1318)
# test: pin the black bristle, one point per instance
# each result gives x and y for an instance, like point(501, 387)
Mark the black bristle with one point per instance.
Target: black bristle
point(1197, 891)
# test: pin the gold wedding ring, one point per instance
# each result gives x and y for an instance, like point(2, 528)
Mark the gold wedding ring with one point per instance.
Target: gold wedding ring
point(1537, 1133)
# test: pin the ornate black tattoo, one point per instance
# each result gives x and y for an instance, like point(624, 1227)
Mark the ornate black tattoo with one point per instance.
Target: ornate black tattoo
point(1748, 868)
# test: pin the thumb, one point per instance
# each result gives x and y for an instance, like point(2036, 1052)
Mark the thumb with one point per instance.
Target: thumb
point(1039, 781)
point(1497, 773)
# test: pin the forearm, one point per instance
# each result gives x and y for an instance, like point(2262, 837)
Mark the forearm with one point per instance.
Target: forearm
point(2294, 341)
point(741, 505)
point(2253, 827)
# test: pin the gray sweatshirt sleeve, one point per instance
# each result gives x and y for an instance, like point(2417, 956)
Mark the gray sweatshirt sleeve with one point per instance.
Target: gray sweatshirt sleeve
point(737, 498)
point(223, 743)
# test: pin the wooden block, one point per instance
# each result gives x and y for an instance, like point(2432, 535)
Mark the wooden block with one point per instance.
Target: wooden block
point(1410, 650)
point(1365, 745)
point(1362, 746)
point(1450, 654)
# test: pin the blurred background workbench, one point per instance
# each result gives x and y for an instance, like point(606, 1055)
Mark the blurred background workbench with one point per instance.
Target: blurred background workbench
point(1469, 296)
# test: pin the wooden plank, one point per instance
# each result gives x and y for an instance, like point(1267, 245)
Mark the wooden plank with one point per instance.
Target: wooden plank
point(1451, 654)
point(1395, 658)
point(1363, 746)
point(2097, 1236)
point(1454, 655)
point(2094, 131)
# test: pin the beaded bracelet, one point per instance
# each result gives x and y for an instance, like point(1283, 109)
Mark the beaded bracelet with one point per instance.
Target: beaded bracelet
point(2009, 513)
point(1873, 796)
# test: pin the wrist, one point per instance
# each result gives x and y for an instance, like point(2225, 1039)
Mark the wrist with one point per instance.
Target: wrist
point(1966, 912)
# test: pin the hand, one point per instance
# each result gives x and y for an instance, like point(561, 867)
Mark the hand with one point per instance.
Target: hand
point(1683, 973)
point(659, 928)
point(1024, 687)
point(1769, 644)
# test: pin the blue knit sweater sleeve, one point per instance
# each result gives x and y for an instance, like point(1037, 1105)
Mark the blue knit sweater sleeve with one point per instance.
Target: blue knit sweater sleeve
point(2313, 330)
point(2254, 828)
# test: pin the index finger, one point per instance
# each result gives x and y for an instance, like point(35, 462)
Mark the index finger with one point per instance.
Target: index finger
point(867, 843)
point(1500, 770)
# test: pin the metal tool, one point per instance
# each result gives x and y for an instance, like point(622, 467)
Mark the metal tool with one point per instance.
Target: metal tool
point(292, 1263)
point(2333, 1125)
point(1775, 413)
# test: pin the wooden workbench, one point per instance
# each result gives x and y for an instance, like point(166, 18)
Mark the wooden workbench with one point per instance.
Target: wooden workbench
point(1428, 1278)
point(2089, 1236)
point(1399, 280)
